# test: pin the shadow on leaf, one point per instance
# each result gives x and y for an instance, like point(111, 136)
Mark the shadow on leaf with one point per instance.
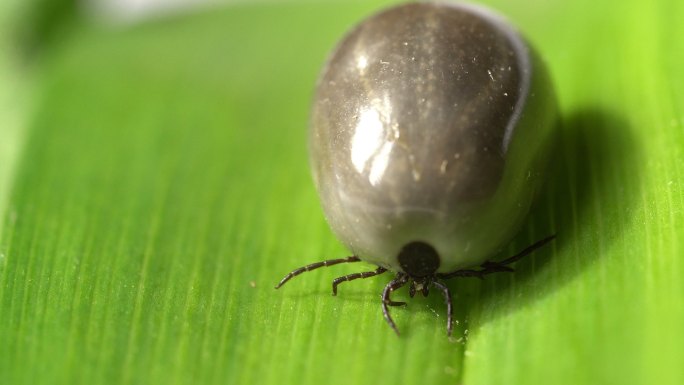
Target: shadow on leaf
point(587, 202)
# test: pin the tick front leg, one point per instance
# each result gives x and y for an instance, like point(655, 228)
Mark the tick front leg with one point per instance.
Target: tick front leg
point(399, 281)
point(447, 298)
point(351, 277)
point(396, 303)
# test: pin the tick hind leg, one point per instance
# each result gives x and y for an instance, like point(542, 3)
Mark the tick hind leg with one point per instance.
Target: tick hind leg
point(351, 277)
point(490, 267)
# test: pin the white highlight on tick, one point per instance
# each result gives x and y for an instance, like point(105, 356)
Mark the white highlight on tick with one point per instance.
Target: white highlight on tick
point(362, 63)
point(370, 146)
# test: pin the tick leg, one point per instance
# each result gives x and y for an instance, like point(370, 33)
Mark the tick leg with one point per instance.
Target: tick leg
point(395, 303)
point(528, 250)
point(314, 266)
point(400, 303)
point(351, 277)
point(489, 267)
point(447, 298)
point(399, 281)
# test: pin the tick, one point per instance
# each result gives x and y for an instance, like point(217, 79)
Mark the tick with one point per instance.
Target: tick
point(430, 127)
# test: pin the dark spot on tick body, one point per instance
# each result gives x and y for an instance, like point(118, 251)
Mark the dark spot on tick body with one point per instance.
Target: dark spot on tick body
point(418, 259)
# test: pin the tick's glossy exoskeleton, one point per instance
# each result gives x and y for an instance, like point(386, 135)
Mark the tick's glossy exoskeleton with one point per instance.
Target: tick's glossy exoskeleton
point(430, 126)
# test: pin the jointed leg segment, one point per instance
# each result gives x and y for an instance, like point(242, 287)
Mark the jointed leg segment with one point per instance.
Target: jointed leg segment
point(490, 267)
point(313, 266)
point(447, 298)
point(351, 277)
point(399, 281)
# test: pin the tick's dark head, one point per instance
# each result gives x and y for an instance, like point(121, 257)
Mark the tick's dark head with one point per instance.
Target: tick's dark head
point(419, 259)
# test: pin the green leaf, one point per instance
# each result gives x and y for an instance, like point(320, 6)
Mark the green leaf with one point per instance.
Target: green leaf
point(163, 189)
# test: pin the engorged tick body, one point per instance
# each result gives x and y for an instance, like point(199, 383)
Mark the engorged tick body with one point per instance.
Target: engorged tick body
point(429, 129)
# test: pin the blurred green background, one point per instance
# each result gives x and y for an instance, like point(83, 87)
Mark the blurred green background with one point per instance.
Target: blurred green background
point(154, 186)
